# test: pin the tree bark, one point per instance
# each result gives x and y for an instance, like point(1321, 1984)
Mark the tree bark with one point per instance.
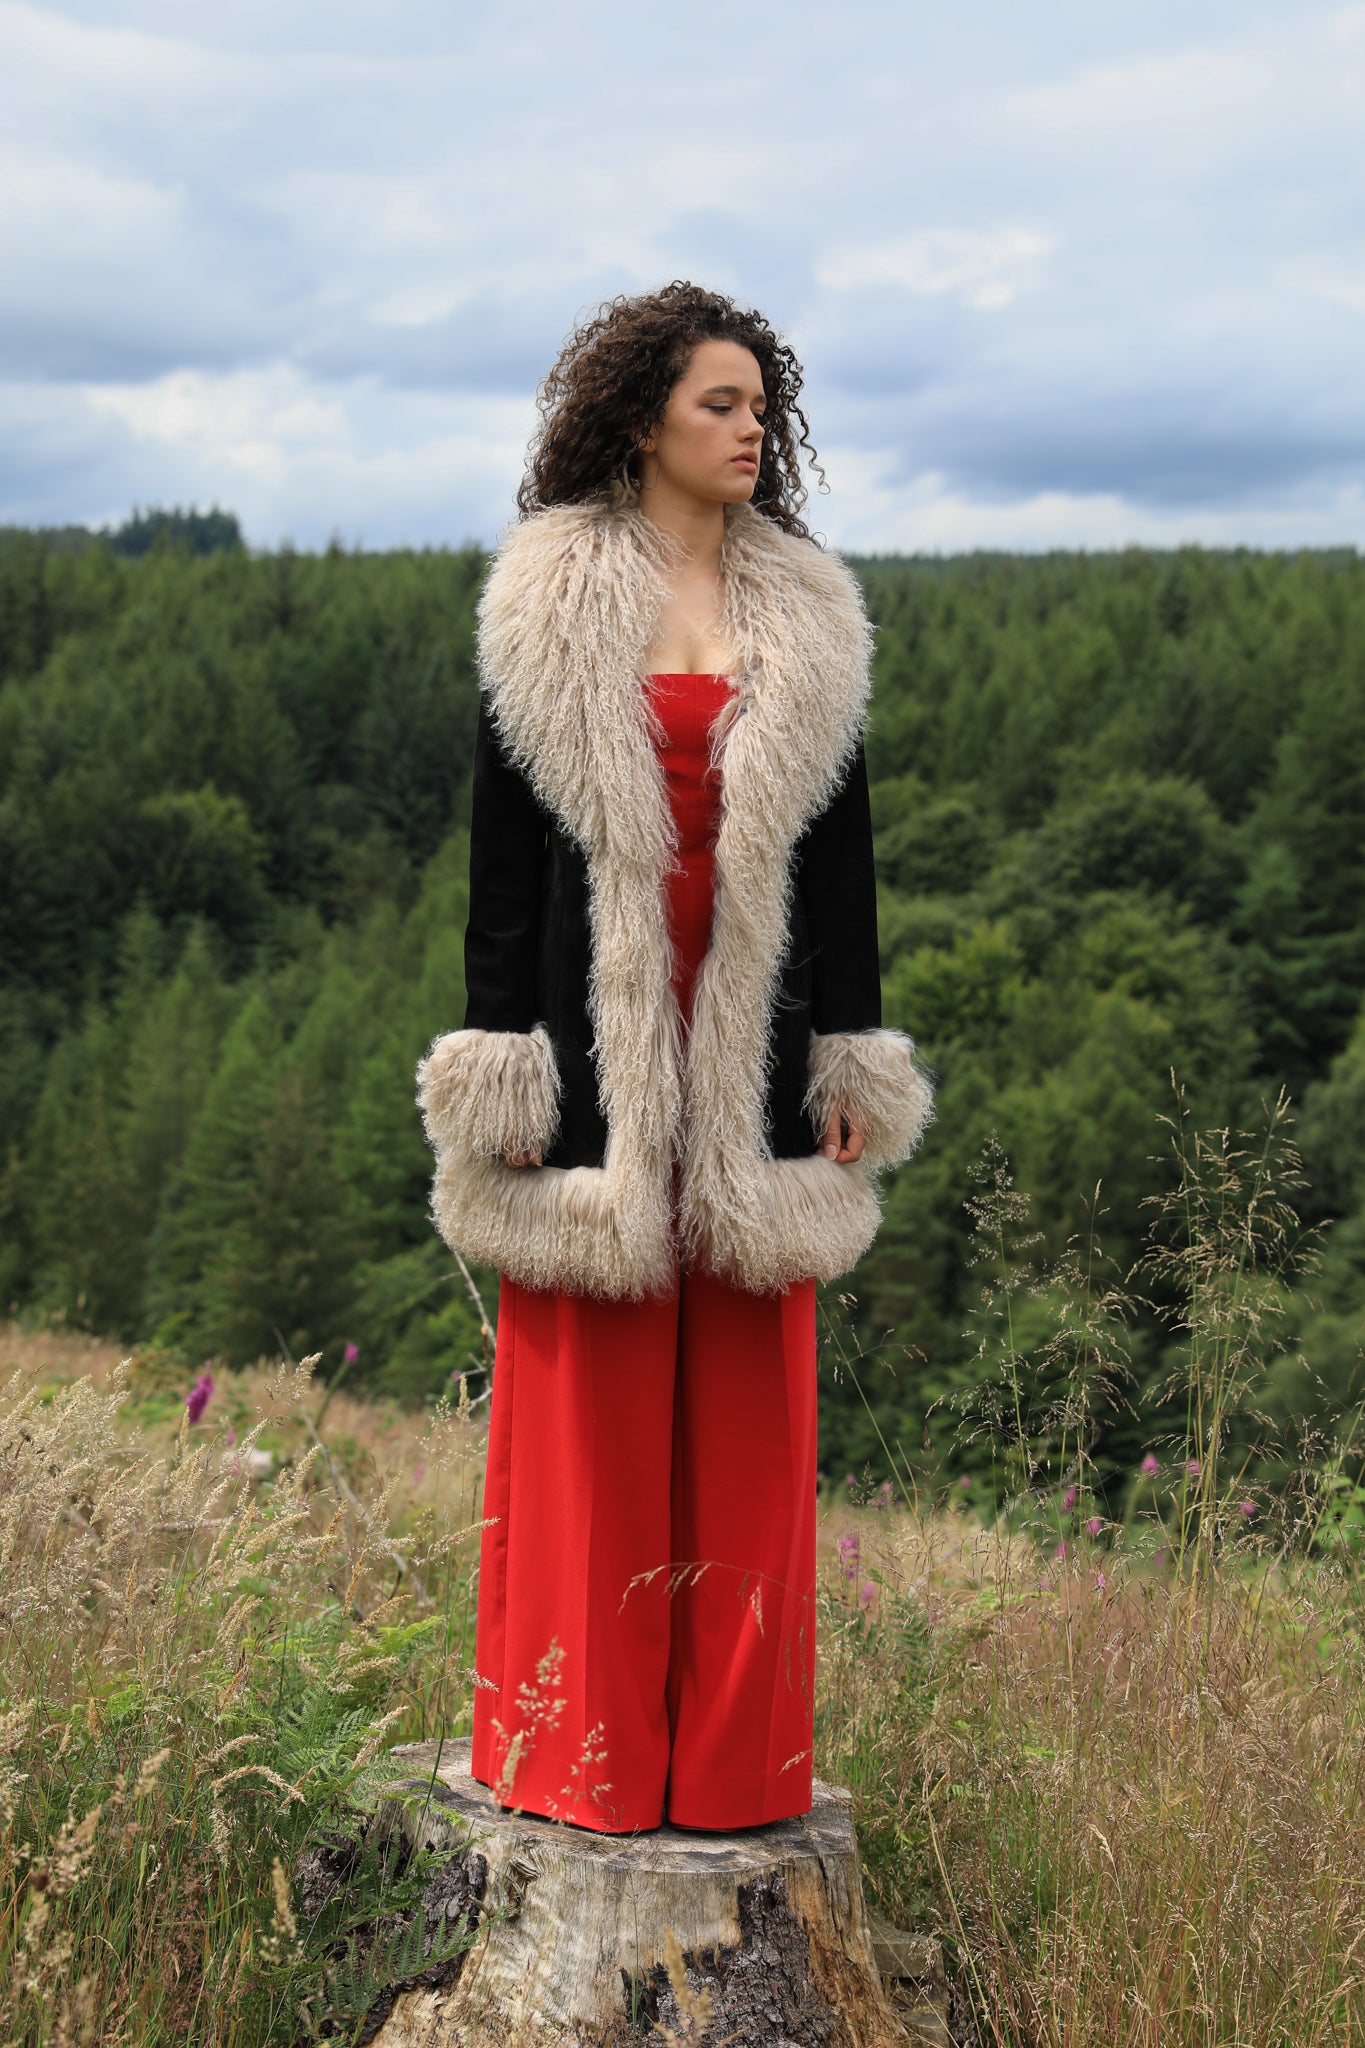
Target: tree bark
point(759, 1939)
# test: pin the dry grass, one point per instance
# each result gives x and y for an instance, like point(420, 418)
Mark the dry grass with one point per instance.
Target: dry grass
point(200, 1672)
point(374, 1441)
point(1133, 1809)
point(1132, 1802)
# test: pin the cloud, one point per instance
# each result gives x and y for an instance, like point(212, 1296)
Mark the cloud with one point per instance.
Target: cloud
point(395, 469)
point(1048, 272)
point(983, 269)
point(1336, 275)
point(886, 513)
point(295, 458)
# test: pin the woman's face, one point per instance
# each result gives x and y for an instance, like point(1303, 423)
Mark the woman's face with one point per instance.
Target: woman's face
point(707, 444)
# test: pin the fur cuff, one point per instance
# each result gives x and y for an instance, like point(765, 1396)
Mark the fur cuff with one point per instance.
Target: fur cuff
point(872, 1075)
point(490, 1092)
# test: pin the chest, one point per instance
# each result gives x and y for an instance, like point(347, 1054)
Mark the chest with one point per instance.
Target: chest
point(688, 637)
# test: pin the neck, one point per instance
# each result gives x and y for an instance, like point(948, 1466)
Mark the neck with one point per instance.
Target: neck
point(699, 523)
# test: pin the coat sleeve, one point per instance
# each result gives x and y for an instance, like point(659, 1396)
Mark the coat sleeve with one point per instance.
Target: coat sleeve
point(855, 1065)
point(493, 1087)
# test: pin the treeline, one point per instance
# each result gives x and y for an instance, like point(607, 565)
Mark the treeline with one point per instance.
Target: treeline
point(1120, 804)
point(203, 533)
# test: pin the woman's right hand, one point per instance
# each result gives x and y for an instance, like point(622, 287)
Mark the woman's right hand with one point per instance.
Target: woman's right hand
point(524, 1158)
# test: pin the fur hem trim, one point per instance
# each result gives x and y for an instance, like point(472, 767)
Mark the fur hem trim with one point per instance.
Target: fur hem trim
point(872, 1075)
point(786, 1220)
point(490, 1092)
point(582, 1229)
point(573, 1228)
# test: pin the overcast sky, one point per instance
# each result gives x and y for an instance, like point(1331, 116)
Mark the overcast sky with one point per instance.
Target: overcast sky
point(1075, 273)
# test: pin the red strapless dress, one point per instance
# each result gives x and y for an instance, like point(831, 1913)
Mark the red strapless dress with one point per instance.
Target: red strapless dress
point(627, 1437)
point(687, 707)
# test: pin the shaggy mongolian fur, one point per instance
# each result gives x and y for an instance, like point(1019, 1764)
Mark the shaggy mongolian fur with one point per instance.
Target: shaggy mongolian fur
point(491, 1091)
point(565, 623)
point(871, 1074)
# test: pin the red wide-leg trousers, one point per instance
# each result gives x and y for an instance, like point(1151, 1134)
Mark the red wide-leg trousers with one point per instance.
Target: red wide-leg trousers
point(646, 1622)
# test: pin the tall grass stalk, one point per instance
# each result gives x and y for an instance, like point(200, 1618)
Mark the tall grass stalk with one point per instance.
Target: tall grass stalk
point(200, 1679)
point(1119, 1764)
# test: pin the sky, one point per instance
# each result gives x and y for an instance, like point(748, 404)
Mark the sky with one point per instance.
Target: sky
point(1075, 274)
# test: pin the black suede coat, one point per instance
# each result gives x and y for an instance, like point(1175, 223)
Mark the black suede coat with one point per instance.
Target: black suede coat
point(528, 945)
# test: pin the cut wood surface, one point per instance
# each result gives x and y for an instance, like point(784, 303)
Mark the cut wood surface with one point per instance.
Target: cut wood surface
point(754, 1939)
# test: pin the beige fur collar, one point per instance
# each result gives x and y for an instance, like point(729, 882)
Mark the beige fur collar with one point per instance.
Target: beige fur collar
point(567, 617)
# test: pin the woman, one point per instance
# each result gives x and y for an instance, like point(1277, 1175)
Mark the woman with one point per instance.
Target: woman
point(660, 1118)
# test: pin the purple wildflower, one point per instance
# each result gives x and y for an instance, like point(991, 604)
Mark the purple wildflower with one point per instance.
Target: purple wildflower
point(1068, 1500)
point(350, 1354)
point(848, 1548)
point(1150, 1465)
point(1101, 1583)
point(1060, 1550)
point(198, 1397)
point(1193, 1468)
point(1095, 1527)
point(868, 1593)
point(884, 1495)
point(965, 1480)
point(1248, 1508)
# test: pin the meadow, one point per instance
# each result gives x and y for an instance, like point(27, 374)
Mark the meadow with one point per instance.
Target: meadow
point(1115, 1762)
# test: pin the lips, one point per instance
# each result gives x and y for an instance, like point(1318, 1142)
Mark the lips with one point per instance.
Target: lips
point(746, 462)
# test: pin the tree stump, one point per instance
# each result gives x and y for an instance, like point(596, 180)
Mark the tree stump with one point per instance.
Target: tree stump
point(770, 1941)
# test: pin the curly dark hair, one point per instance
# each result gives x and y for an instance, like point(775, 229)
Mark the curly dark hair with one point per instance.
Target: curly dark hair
point(611, 383)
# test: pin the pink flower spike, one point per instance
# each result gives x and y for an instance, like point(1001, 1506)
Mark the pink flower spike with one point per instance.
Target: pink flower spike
point(1150, 1466)
point(965, 1480)
point(868, 1593)
point(848, 1548)
point(232, 1434)
point(1095, 1527)
point(1068, 1500)
point(1101, 1583)
point(198, 1397)
point(1248, 1508)
point(1193, 1468)
point(350, 1354)
point(1060, 1550)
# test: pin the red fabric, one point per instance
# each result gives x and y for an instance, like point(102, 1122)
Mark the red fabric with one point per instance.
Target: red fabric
point(646, 1629)
point(686, 707)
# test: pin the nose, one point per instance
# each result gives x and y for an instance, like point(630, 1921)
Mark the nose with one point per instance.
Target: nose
point(754, 430)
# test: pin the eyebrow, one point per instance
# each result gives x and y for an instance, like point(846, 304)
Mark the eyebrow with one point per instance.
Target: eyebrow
point(730, 391)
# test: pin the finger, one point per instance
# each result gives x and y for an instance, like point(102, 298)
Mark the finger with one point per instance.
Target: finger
point(841, 1141)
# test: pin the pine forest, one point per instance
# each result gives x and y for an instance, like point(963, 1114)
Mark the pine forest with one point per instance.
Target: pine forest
point(1120, 813)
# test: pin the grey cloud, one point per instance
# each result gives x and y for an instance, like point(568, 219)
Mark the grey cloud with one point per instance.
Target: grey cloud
point(299, 187)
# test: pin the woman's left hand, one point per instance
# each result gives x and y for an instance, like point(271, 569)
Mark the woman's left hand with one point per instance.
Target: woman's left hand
point(842, 1140)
